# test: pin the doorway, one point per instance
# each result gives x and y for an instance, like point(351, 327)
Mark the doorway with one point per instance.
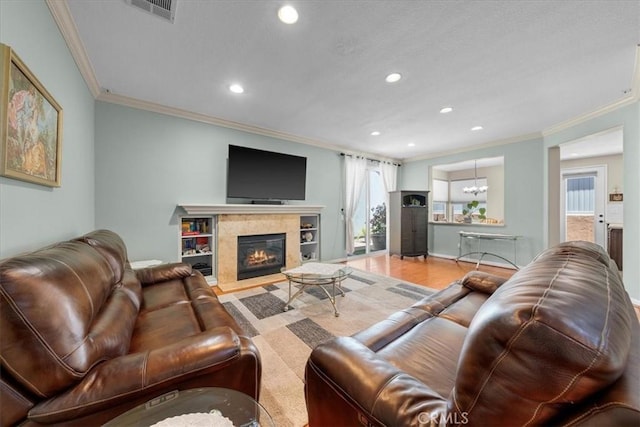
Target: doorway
point(583, 201)
point(582, 173)
point(370, 220)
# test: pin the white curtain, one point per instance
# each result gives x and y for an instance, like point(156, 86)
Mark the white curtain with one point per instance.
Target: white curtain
point(389, 173)
point(355, 172)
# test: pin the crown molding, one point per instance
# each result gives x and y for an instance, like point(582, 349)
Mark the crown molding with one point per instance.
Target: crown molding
point(204, 118)
point(513, 140)
point(64, 20)
point(631, 98)
point(62, 16)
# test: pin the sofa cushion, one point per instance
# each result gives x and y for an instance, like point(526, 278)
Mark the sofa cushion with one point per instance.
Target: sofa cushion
point(111, 247)
point(562, 322)
point(61, 306)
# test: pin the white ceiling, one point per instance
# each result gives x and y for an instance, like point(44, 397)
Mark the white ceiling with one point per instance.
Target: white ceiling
point(471, 164)
point(514, 67)
point(600, 144)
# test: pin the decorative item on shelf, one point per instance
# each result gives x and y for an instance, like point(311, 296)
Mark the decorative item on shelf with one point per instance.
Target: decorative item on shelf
point(306, 226)
point(470, 211)
point(307, 237)
point(474, 189)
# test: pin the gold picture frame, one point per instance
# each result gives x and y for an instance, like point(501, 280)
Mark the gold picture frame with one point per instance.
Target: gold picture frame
point(30, 125)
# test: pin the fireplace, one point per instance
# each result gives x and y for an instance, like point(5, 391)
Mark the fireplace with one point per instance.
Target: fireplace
point(260, 255)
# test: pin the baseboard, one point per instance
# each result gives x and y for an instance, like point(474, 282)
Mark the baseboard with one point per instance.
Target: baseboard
point(475, 260)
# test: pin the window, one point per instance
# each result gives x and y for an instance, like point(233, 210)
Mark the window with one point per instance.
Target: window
point(581, 195)
point(440, 200)
point(449, 200)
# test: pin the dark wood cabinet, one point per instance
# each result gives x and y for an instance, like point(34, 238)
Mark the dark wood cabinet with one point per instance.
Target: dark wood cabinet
point(615, 245)
point(408, 218)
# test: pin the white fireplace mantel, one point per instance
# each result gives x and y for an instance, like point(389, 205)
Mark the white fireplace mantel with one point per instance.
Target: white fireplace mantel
point(205, 209)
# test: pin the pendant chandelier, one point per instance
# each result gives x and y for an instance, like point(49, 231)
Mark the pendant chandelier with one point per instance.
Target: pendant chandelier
point(474, 189)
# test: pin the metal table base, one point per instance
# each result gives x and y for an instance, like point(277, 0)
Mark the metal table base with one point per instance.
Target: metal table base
point(487, 236)
point(317, 274)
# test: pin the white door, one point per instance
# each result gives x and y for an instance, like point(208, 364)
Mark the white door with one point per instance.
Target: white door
point(583, 202)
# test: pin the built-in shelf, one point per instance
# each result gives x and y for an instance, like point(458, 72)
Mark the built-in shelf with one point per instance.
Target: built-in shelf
point(198, 254)
point(197, 243)
point(309, 238)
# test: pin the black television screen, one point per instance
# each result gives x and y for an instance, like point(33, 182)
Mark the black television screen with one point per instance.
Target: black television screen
point(265, 175)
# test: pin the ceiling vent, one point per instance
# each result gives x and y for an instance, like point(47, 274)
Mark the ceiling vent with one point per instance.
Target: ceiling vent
point(165, 9)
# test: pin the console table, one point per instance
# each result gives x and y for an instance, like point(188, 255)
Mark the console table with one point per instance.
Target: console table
point(487, 236)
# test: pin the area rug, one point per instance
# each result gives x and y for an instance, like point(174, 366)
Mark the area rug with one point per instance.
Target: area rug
point(285, 338)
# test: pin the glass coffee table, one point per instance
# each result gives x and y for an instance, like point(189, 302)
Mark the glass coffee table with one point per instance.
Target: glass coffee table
point(317, 274)
point(238, 408)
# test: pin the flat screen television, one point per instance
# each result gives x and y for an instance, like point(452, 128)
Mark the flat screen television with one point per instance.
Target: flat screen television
point(265, 175)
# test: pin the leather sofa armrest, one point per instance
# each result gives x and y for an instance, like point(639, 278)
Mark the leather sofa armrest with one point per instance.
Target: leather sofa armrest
point(163, 272)
point(127, 377)
point(390, 395)
point(482, 282)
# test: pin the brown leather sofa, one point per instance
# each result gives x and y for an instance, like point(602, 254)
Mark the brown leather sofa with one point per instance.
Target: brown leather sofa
point(84, 338)
point(556, 344)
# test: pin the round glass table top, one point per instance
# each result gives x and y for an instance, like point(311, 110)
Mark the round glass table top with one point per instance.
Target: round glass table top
point(237, 407)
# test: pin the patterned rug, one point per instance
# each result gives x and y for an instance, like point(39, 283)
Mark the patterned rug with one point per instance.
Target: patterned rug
point(285, 338)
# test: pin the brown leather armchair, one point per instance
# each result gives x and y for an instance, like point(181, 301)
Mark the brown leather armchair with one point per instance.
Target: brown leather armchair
point(556, 344)
point(84, 337)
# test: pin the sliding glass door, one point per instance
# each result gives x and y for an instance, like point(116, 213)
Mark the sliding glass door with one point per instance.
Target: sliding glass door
point(370, 220)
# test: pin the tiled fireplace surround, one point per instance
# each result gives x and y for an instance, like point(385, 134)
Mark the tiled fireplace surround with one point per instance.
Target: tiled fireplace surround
point(235, 220)
point(232, 226)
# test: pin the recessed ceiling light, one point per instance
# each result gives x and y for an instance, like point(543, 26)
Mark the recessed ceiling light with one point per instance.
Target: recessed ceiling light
point(477, 128)
point(288, 14)
point(411, 144)
point(393, 77)
point(445, 110)
point(375, 133)
point(236, 88)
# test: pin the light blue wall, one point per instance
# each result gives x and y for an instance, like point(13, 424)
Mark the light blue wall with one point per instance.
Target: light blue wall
point(526, 182)
point(629, 118)
point(523, 210)
point(147, 163)
point(32, 215)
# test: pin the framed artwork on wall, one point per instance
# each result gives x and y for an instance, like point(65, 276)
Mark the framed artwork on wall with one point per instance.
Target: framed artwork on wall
point(30, 125)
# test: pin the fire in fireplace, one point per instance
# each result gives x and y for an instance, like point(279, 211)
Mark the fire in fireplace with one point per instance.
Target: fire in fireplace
point(260, 255)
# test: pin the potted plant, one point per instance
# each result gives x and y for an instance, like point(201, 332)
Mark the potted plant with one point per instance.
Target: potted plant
point(471, 209)
point(378, 223)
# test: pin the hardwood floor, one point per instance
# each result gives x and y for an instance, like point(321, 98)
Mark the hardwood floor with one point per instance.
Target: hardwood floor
point(436, 273)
